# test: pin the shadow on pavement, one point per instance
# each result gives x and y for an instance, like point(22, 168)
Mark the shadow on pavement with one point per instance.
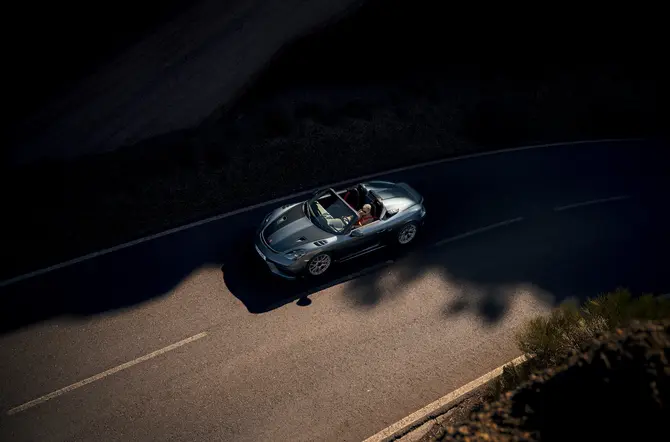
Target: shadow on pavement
point(122, 279)
point(249, 279)
point(561, 254)
point(557, 255)
point(572, 254)
point(461, 199)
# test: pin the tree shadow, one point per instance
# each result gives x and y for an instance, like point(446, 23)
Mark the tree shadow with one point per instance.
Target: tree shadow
point(555, 257)
point(122, 279)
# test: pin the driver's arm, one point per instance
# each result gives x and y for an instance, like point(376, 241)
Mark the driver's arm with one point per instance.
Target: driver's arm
point(335, 223)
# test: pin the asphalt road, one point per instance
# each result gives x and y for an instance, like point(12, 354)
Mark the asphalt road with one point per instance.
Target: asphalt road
point(349, 358)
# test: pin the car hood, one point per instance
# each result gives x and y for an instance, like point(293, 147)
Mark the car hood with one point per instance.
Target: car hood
point(394, 196)
point(291, 229)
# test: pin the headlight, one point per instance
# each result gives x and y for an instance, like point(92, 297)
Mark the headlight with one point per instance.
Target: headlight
point(295, 254)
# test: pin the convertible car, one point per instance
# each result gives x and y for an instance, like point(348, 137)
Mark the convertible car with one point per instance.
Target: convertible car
point(305, 238)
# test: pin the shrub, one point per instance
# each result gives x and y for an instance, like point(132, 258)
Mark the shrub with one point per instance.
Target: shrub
point(570, 327)
point(511, 377)
point(619, 308)
point(550, 338)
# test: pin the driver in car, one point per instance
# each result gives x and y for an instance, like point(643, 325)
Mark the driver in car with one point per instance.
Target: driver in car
point(365, 215)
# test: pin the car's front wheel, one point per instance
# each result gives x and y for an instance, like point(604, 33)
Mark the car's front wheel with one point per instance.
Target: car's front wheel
point(319, 264)
point(407, 233)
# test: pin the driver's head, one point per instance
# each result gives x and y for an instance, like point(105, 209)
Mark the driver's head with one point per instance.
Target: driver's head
point(367, 208)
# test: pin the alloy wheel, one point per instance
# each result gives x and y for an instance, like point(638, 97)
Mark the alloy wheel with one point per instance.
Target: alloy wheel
point(407, 234)
point(319, 264)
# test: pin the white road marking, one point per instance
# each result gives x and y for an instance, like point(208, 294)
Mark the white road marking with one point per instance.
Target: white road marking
point(591, 202)
point(93, 255)
point(104, 374)
point(476, 231)
point(435, 408)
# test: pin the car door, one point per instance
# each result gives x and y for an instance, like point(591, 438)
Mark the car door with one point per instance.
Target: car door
point(348, 244)
point(364, 239)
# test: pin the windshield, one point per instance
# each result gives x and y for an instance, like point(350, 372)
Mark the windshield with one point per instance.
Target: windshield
point(327, 211)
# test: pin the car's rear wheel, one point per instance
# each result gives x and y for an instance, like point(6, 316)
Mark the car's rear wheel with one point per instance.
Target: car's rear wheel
point(319, 264)
point(407, 233)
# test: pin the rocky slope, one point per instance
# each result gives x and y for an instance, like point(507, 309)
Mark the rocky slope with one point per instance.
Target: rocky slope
point(616, 389)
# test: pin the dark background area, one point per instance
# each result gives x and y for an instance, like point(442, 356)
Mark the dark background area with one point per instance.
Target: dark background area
point(405, 43)
point(55, 44)
point(538, 76)
point(397, 83)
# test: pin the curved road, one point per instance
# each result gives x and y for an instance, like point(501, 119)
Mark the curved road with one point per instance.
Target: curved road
point(160, 342)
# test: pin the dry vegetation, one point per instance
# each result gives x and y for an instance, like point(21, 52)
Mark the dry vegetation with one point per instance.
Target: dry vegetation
point(597, 354)
point(568, 328)
point(616, 389)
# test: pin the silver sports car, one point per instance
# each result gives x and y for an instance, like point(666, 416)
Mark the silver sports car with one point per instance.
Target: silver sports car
point(334, 226)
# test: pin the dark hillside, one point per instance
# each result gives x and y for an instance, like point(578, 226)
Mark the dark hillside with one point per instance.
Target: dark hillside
point(55, 44)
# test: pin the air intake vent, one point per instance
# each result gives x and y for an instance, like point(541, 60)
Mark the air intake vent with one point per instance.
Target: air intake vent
point(320, 242)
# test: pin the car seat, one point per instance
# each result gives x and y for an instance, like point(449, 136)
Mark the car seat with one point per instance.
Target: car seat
point(352, 198)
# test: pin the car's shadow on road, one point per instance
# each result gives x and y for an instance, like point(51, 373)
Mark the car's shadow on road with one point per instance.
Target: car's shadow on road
point(248, 278)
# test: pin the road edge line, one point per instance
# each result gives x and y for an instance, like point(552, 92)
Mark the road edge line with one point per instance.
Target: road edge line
point(433, 411)
point(438, 407)
point(221, 216)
